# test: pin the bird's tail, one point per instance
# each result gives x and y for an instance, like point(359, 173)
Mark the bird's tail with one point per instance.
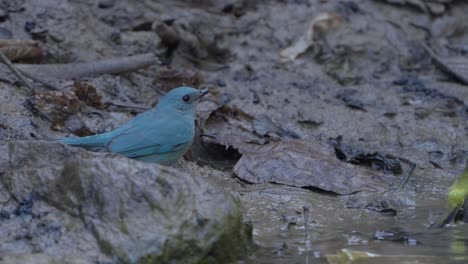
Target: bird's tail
point(451, 216)
point(97, 142)
point(448, 218)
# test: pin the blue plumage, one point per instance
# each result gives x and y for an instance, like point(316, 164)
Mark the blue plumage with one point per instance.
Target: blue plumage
point(162, 134)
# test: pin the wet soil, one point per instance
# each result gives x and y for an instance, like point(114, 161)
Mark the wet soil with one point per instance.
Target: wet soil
point(368, 81)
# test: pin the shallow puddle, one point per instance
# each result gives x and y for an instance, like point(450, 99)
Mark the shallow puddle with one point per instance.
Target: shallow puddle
point(341, 235)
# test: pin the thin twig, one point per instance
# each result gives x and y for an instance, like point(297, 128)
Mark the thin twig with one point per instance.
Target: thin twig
point(443, 65)
point(208, 136)
point(212, 66)
point(306, 226)
point(87, 69)
point(138, 108)
point(39, 80)
point(408, 174)
point(15, 71)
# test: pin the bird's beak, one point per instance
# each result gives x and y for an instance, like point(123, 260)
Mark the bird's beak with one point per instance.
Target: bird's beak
point(202, 93)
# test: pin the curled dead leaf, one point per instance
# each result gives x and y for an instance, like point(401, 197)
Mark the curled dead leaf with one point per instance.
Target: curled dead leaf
point(320, 24)
point(234, 116)
point(264, 126)
point(167, 79)
point(375, 160)
point(205, 108)
point(457, 67)
point(88, 94)
point(307, 164)
point(213, 151)
point(209, 104)
point(15, 49)
point(55, 106)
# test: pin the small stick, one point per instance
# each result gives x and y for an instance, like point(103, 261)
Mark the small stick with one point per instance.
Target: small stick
point(138, 108)
point(440, 62)
point(17, 42)
point(306, 226)
point(87, 69)
point(15, 71)
point(408, 174)
point(45, 83)
point(208, 136)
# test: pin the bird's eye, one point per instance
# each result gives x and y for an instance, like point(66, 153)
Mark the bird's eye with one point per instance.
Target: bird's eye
point(186, 98)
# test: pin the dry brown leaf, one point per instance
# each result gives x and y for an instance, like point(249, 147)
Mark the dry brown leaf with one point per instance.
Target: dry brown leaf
point(169, 79)
point(321, 23)
point(87, 94)
point(264, 126)
point(56, 106)
point(307, 164)
point(205, 108)
point(20, 49)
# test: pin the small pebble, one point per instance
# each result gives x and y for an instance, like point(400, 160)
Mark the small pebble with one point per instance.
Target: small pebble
point(5, 33)
point(106, 3)
point(3, 15)
point(4, 215)
point(29, 25)
point(400, 82)
point(221, 83)
point(38, 33)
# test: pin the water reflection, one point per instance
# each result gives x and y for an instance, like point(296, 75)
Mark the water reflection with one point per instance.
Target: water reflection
point(354, 241)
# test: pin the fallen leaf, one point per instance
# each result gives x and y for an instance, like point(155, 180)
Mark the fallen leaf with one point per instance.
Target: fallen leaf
point(374, 160)
point(348, 96)
point(379, 205)
point(395, 235)
point(320, 24)
point(306, 164)
point(209, 104)
point(457, 67)
point(213, 151)
point(168, 79)
point(194, 39)
point(343, 70)
point(15, 49)
point(235, 118)
point(87, 94)
point(75, 125)
point(264, 126)
point(350, 256)
point(310, 123)
point(56, 106)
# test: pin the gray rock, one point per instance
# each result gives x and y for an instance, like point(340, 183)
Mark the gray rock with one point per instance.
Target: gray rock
point(64, 201)
point(40, 259)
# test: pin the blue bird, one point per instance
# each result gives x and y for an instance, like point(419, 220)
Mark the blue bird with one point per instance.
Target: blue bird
point(162, 134)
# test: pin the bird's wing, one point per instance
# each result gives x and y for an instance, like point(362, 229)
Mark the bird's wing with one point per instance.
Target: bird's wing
point(154, 137)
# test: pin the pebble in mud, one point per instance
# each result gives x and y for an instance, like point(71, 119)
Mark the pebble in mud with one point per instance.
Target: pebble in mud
point(106, 4)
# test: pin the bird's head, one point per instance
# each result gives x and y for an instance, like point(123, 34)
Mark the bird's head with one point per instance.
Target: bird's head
point(182, 99)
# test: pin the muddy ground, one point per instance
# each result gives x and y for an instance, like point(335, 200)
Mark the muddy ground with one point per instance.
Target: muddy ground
point(366, 84)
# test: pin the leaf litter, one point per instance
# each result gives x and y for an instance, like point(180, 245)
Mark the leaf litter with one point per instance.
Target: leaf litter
point(307, 164)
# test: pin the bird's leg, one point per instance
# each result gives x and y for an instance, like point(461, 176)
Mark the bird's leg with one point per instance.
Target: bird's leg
point(465, 210)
